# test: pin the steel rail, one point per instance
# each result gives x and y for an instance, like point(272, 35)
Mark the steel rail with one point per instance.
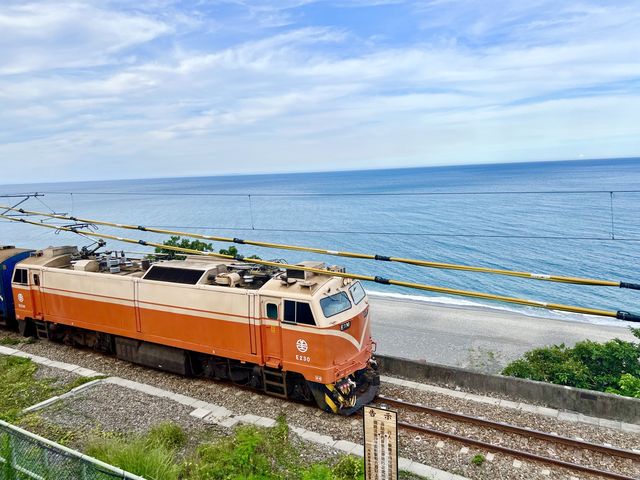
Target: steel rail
point(514, 452)
point(509, 428)
point(619, 314)
point(356, 255)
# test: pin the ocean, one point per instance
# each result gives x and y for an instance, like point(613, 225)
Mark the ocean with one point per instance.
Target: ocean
point(551, 217)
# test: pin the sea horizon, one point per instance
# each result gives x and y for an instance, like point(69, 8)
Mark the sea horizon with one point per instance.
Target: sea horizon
point(579, 229)
point(521, 163)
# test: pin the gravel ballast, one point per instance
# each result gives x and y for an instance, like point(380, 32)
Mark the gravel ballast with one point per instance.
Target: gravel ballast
point(444, 455)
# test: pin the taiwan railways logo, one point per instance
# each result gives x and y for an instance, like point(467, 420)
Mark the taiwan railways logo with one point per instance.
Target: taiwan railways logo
point(302, 346)
point(21, 298)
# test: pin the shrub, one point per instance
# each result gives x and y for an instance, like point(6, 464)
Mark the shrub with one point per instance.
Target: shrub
point(628, 385)
point(478, 460)
point(554, 364)
point(612, 366)
point(606, 362)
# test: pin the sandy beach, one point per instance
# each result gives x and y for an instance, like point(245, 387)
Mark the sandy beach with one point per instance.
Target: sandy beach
point(477, 338)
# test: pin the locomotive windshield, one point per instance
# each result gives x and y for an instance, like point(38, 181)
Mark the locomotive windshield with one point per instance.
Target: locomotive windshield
point(357, 292)
point(335, 304)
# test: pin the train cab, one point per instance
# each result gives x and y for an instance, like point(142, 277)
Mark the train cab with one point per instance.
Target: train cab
point(324, 333)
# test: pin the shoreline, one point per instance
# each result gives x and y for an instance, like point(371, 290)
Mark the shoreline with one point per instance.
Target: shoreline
point(571, 318)
point(482, 339)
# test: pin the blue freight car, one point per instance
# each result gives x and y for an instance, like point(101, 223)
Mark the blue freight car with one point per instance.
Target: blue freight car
point(9, 256)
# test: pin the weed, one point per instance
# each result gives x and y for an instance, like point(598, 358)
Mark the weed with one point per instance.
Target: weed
point(138, 455)
point(478, 460)
point(349, 468)
point(36, 424)
point(241, 456)
point(266, 454)
point(167, 435)
point(318, 471)
point(17, 341)
point(18, 387)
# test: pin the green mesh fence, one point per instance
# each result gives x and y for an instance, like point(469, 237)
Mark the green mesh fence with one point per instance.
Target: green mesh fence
point(25, 456)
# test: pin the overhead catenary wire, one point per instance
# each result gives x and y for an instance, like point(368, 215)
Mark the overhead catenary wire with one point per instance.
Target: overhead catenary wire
point(608, 238)
point(356, 255)
point(619, 314)
point(340, 194)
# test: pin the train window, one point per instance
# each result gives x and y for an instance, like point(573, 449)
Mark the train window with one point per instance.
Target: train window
point(357, 292)
point(173, 275)
point(289, 311)
point(272, 311)
point(298, 312)
point(303, 314)
point(21, 276)
point(36, 280)
point(335, 304)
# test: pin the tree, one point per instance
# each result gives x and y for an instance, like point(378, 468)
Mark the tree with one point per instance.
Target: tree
point(176, 241)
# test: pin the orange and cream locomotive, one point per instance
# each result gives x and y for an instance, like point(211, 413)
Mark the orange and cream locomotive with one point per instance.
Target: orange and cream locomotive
point(291, 333)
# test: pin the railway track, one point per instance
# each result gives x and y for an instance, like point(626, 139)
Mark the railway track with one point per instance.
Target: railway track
point(554, 440)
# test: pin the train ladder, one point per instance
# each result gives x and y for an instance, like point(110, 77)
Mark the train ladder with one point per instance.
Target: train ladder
point(275, 382)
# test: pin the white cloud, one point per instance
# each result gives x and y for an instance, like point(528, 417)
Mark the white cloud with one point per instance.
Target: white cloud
point(56, 35)
point(145, 88)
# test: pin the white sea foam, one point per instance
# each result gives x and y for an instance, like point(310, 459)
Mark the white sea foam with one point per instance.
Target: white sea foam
point(530, 312)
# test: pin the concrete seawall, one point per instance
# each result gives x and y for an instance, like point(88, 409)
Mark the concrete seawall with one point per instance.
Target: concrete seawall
point(587, 402)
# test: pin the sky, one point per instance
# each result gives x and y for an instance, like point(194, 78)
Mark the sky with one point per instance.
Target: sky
point(153, 88)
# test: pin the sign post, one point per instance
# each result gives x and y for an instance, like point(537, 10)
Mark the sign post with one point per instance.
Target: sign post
point(380, 444)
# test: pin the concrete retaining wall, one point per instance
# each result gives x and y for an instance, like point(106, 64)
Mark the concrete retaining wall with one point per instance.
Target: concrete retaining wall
point(587, 402)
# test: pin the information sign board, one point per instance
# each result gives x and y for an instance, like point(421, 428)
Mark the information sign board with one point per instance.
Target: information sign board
point(380, 444)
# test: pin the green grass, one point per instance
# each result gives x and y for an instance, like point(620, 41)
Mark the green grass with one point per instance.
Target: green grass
point(138, 456)
point(259, 453)
point(162, 454)
point(34, 423)
point(19, 388)
point(250, 453)
point(16, 341)
point(167, 435)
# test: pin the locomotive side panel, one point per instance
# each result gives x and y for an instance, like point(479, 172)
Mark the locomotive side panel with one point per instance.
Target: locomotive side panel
point(304, 350)
point(325, 354)
point(89, 300)
point(198, 318)
point(9, 256)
